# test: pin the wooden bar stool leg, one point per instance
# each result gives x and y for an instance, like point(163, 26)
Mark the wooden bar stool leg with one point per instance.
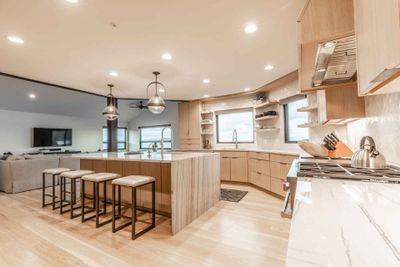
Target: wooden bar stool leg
point(94, 191)
point(133, 207)
point(71, 202)
point(53, 188)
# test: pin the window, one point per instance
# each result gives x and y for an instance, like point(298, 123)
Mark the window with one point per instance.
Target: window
point(152, 134)
point(241, 120)
point(293, 118)
point(121, 138)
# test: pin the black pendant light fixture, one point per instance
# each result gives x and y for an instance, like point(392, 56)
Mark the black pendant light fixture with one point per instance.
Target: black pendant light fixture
point(155, 104)
point(111, 112)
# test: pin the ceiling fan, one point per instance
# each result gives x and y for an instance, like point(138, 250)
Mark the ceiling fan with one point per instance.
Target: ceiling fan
point(138, 105)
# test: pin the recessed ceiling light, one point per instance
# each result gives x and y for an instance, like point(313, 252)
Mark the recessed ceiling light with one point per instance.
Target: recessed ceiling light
point(32, 96)
point(15, 39)
point(206, 96)
point(247, 89)
point(269, 67)
point(113, 73)
point(206, 81)
point(72, 1)
point(250, 28)
point(166, 56)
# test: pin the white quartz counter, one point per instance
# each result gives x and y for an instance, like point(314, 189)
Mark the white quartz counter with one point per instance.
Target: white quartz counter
point(272, 151)
point(155, 157)
point(345, 223)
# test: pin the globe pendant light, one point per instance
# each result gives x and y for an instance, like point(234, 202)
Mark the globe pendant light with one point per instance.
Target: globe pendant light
point(156, 104)
point(111, 111)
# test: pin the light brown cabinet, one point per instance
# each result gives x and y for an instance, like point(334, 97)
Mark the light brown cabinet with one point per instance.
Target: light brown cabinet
point(280, 165)
point(321, 21)
point(234, 166)
point(189, 125)
point(225, 168)
point(265, 170)
point(377, 27)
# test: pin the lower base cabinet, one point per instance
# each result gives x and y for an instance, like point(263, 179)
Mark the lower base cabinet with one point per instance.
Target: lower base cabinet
point(265, 170)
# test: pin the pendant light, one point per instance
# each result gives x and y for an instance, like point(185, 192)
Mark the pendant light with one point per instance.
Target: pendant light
point(156, 104)
point(111, 111)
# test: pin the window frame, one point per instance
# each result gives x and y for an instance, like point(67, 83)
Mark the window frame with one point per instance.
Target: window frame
point(156, 141)
point(286, 120)
point(230, 112)
point(118, 142)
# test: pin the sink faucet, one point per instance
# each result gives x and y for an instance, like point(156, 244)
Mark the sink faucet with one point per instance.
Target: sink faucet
point(162, 140)
point(149, 149)
point(234, 138)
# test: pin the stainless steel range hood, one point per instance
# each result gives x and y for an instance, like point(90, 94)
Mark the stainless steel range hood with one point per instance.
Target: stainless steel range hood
point(335, 62)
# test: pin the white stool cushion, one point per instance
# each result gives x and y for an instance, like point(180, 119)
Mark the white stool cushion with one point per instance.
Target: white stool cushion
point(100, 177)
point(55, 171)
point(76, 174)
point(133, 180)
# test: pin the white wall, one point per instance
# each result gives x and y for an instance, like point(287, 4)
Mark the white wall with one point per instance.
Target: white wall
point(16, 130)
point(382, 123)
point(146, 118)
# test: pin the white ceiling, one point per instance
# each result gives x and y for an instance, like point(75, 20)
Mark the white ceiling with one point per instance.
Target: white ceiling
point(75, 45)
point(56, 101)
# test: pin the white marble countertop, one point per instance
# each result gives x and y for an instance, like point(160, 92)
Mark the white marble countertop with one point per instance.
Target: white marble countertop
point(273, 151)
point(155, 157)
point(345, 223)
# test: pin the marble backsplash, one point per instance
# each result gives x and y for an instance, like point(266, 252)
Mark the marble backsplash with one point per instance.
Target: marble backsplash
point(382, 124)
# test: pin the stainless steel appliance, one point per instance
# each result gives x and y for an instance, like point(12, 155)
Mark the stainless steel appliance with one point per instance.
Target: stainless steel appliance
point(368, 156)
point(332, 169)
point(335, 62)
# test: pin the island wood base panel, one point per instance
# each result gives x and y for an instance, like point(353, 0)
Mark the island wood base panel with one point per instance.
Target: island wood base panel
point(185, 189)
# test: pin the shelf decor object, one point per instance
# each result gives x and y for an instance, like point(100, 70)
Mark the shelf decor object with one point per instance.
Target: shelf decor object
point(111, 112)
point(156, 103)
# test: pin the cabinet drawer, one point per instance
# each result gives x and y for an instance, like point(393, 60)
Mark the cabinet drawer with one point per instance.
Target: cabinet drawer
point(259, 165)
point(279, 170)
point(277, 186)
point(233, 154)
point(259, 155)
point(282, 158)
point(261, 180)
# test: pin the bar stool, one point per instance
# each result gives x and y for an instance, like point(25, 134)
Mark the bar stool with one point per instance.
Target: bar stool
point(133, 181)
point(97, 179)
point(53, 172)
point(72, 176)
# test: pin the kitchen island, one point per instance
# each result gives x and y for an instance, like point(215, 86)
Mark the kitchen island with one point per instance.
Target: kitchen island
point(187, 184)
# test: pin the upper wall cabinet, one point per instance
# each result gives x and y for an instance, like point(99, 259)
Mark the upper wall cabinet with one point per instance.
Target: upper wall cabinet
point(377, 26)
point(189, 125)
point(326, 25)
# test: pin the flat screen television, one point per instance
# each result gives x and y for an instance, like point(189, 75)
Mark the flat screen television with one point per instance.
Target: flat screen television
point(48, 137)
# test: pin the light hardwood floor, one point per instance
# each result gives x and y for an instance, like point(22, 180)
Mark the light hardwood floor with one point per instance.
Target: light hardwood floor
point(249, 233)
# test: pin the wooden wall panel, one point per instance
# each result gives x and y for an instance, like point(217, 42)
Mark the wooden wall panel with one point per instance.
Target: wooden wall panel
point(86, 164)
point(153, 170)
point(165, 204)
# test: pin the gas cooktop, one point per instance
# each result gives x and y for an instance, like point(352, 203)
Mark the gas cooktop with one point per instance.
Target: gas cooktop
point(331, 169)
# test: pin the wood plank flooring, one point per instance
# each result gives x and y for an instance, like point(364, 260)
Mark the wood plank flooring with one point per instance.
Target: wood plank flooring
point(249, 233)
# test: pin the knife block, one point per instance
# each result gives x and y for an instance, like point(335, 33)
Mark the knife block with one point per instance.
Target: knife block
point(342, 150)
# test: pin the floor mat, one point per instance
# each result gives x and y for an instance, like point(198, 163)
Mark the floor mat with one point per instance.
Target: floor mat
point(232, 195)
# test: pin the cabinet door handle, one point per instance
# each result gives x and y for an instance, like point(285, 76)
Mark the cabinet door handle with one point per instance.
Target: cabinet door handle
point(259, 173)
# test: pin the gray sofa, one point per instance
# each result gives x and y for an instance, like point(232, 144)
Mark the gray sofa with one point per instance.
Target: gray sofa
point(20, 174)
